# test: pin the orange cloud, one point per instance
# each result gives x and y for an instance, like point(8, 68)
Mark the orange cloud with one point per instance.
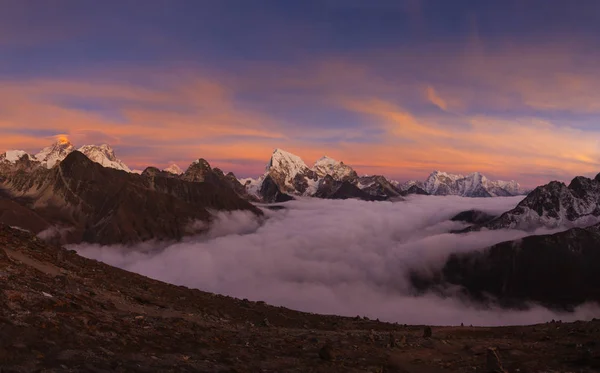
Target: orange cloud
point(196, 110)
point(187, 118)
point(489, 145)
point(433, 97)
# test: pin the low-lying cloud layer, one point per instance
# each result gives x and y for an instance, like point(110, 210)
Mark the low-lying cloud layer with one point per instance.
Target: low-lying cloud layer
point(334, 257)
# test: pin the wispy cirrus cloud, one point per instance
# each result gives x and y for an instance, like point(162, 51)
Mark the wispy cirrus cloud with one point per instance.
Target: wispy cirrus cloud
point(512, 110)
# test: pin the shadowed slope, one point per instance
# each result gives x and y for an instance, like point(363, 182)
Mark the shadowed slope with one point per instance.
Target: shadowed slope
point(104, 205)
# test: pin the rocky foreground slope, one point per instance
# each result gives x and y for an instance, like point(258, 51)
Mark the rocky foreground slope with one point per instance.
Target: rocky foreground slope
point(60, 312)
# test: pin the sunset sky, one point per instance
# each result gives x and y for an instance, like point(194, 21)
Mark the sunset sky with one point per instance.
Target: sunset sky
point(399, 88)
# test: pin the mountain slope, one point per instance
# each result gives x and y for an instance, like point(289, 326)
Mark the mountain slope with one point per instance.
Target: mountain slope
point(555, 205)
point(337, 170)
point(378, 186)
point(97, 204)
point(560, 270)
point(65, 313)
point(291, 174)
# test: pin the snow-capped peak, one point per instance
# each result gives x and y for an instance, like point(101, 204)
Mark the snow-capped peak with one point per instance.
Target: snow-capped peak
point(55, 153)
point(472, 185)
point(280, 159)
point(329, 166)
point(13, 156)
point(104, 155)
point(442, 183)
point(288, 171)
point(174, 169)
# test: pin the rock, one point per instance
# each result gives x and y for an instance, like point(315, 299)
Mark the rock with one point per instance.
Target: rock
point(266, 323)
point(392, 340)
point(326, 352)
point(427, 332)
point(402, 341)
point(493, 363)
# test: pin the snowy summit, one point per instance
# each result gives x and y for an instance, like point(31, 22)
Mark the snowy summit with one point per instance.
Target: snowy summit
point(104, 155)
point(338, 170)
point(174, 169)
point(55, 153)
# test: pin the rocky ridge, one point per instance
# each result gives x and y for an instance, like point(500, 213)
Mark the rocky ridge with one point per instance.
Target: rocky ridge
point(553, 206)
point(87, 202)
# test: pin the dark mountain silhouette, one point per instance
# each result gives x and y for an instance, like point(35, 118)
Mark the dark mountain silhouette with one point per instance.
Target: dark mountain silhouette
point(103, 205)
point(561, 270)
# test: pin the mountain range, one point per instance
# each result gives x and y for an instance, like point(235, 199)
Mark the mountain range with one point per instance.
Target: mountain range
point(58, 151)
point(473, 185)
point(288, 175)
point(294, 177)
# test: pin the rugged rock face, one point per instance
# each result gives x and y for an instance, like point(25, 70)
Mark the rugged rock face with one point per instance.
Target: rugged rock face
point(200, 171)
point(155, 172)
point(334, 189)
point(414, 189)
point(327, 186)
point(378, 186)
point(560, 270)
point(270, 192)
point(19, 161)
point(348, 190)
point(232, 182)
point(554, 205)
point(96, 204)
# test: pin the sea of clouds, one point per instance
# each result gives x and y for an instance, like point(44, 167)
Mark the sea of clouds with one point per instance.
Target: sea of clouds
point(343, 257)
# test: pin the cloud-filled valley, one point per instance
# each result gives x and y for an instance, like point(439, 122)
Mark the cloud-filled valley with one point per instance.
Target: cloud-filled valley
point(344, 257)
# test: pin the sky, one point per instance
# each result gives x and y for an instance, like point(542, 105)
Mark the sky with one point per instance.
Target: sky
point(399, 88)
